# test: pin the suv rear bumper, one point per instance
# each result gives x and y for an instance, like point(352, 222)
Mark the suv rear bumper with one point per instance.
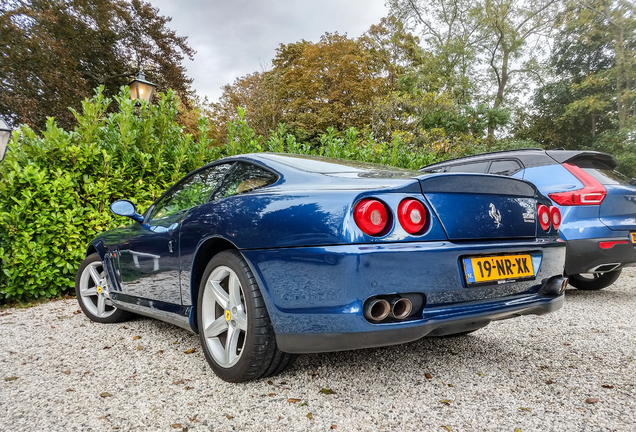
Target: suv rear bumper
point(586, 256)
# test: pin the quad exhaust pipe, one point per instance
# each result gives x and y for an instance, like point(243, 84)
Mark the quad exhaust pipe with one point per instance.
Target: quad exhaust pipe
point(379, 309)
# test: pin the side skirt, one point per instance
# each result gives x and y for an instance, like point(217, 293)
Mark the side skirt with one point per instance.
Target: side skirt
point(171, 313)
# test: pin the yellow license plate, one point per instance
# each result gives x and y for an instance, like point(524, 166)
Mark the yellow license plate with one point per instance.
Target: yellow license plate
point(496, 268)
point(633, 236)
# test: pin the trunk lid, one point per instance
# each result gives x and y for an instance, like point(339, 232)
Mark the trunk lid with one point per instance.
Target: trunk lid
point(479, 206)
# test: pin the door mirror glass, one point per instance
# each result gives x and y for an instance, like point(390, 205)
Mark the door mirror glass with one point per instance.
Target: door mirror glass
point(125, 208)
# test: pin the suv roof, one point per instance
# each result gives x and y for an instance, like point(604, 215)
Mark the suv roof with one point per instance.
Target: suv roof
point(530, 157)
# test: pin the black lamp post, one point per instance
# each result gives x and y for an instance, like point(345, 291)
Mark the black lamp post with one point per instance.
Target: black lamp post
point(5, 135)
point(140, 89)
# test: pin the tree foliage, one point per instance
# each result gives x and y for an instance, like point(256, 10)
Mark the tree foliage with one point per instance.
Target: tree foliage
point(55, 52)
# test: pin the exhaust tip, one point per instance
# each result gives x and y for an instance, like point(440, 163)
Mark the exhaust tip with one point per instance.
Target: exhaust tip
point(401, 308)
point(377, 310)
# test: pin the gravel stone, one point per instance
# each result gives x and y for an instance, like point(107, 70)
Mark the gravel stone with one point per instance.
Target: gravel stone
point(531, 373)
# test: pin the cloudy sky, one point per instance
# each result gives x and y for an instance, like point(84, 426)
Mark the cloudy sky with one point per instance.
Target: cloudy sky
point(236, 37)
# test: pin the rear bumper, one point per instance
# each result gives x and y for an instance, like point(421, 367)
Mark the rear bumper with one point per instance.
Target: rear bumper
point(585, 256)
point(450, 320)
point(315, 295)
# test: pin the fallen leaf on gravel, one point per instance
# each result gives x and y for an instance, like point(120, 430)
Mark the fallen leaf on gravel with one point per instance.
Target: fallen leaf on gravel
point(178, 382)
point(229, 417)
point(188, 388)
point(450, 385)
point(124, 327)
point(283, 382)
point(293, 400)
point(481, 374)
point(103, 417)
point(271, 394)
point(77, 312)
point(428, 375)
point(67, 372)
point(524, 409)
point(194, 419)
point(136, 337)
point(310, 416)
point(543, 367)
point(270, 382)
point(302, 404)
point(69, 390)
point(190, 351)
point(518, 430)
point(11, 378)
point(87, 372)
point(105, 394)
point(159, 352)
point(5, 314)
point(280, 418)
point(566, 344)
point(333, 427)
point(139, 347)
point(445, 401)
point(175, 343)
point(591, 400)
point(12, 352)
point(448, 428)
point(607, 386)
point(327, 391)
point(106, 347)
point(176, 425)
point(52, 326)
point(549, 381)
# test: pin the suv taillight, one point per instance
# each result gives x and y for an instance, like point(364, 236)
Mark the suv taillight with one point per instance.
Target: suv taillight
point(370, 216)
point(592, 192)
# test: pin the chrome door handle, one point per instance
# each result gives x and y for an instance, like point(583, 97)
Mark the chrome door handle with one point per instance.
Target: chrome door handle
point(171, 246)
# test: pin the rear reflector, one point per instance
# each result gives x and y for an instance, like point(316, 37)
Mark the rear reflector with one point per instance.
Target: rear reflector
point(611, 244)
point(412, 215)
point(370, 216)
point(555, 217)
point(544, 217)
point(592, 192)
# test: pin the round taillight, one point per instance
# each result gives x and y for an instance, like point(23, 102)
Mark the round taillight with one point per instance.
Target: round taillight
point(412, 215)
point(544, 217)
point(555, 217)
point(370, 216)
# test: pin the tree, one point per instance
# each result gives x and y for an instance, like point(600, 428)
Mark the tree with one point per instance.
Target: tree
point(501, 35)
point(593, 86)
point(331, 83)
point(55, 52)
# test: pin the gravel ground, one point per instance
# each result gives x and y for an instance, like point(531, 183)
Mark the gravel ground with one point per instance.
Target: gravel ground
point(573, 370)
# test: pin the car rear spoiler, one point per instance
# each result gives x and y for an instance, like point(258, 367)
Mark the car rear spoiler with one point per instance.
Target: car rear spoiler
point(577, 156)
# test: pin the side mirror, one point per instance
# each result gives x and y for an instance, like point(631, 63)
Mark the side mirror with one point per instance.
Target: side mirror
point(127, 209)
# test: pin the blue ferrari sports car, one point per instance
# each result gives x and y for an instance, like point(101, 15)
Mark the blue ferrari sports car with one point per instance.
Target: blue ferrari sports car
point(268, 255)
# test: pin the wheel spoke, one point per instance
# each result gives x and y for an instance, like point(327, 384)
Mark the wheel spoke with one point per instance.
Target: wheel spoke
point(95, 276)
point(234, 287)
point(241, 320)
point(216, 328)
point(101, 305)
point(220, 296)
point(230, 344)
point(89, 292)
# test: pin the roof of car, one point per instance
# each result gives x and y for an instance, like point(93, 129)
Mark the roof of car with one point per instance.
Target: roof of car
point(533, 157)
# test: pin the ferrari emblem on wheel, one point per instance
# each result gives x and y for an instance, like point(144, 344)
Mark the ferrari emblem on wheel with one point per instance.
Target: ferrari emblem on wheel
point(228, 315)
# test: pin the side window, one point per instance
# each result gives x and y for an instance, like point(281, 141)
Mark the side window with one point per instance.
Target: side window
point(244, 177)
point(192, 191)
point(479, 167)
point(504, 167)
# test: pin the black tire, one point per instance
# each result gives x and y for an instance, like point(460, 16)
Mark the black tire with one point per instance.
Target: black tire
point(90, 281)
point(594, 281)
point(241, 344)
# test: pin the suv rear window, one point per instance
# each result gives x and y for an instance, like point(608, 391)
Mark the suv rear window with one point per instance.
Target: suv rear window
point(602, 173)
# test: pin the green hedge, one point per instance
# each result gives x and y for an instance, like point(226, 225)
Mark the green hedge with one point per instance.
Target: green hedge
point(55, 189)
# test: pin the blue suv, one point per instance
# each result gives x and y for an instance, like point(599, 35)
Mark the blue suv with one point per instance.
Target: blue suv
point(597, 204)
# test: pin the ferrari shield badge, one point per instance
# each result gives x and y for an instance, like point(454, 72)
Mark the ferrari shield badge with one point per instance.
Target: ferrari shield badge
point(495, 215)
